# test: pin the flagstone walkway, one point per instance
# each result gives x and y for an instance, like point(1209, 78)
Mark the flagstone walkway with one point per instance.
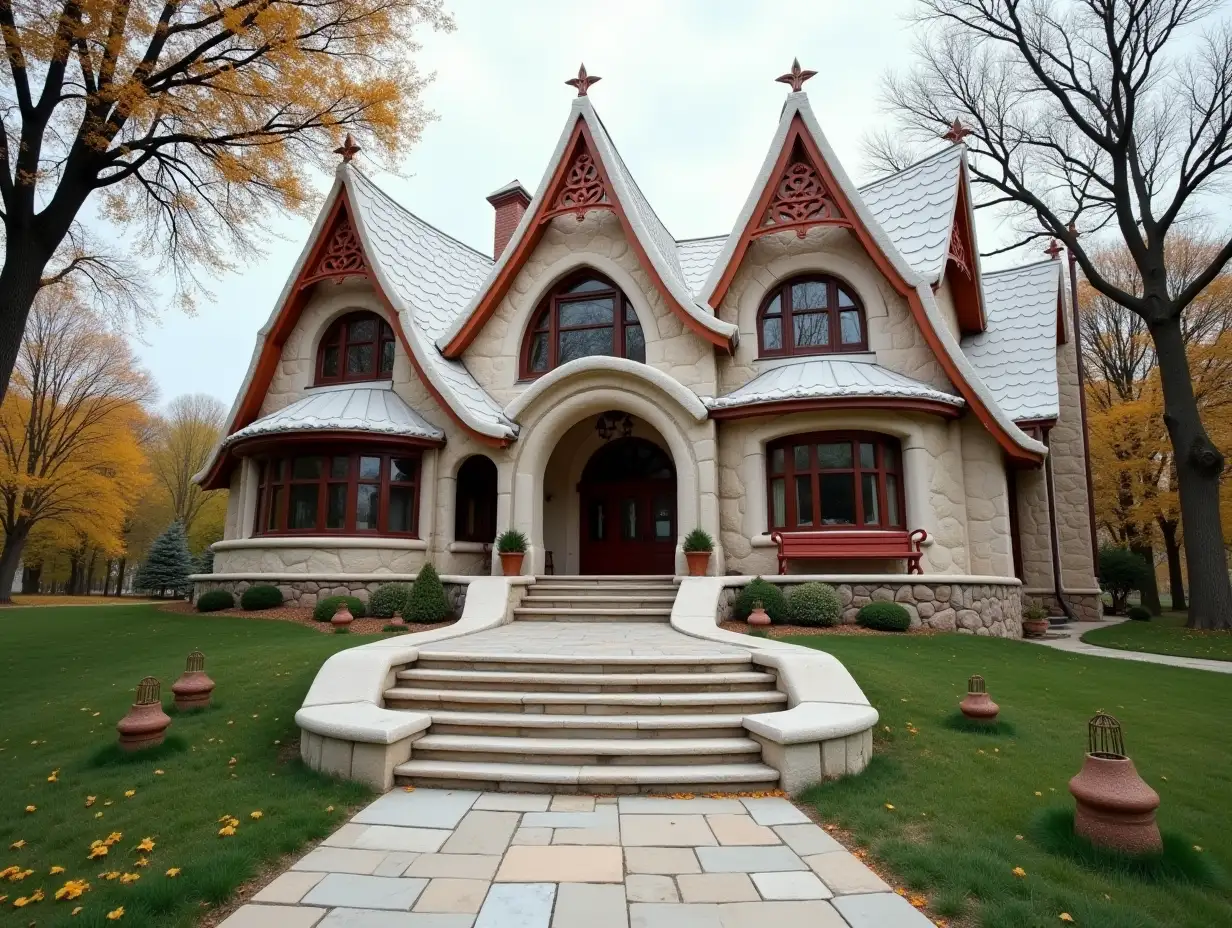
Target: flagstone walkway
point(1071, 641)
point(465, 859)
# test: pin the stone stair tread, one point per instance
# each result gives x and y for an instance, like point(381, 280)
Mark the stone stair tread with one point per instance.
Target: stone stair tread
point(502, 697)
point(613, 746)
point(683, 721)
point(592, 578)
point(572, 597)
point(426, 653)
point(567, 774)
point(588, 679)
point(600, 608)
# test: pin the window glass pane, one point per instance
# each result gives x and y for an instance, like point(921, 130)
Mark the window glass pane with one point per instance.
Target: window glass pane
point(584, 343)
point(775, 306)
point(628, 519)
point(630, 315)
point(542, 323)
point(800, 457)
point(810, 295)
point(777, 457)
point(362, 330)
point(307, 468)
point(539, 352)
point(635, 344)
point(365, 506)
point(849, 324)
point(403, 469)
point(274, 520)
point(893, 516)
point(329, 362)
point(586, 286)
point(804, 500)
point(386, 331)
point(369, 468)
point(335, 515)
point(303, 506)
point(401, 499)
point(339, 467)
point(811, 329)
point(838, 502)
point(280, 469)
point(772, 334)
point(844, 298)
point(872, 512)
point(387, 357)
point(889, 457)
point(662, 518)
point(359, 359)
point(834, 454)
point(598, 520)
point(778, 496)
point(586, 312)
point(868, 455)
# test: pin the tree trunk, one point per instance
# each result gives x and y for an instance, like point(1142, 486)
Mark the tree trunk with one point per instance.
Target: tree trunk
point(20, 276)
point(1176, 576)
point(90, 572)
point(1198, 467)
point(10, 557)
point(120, 577)
point(1150, 589)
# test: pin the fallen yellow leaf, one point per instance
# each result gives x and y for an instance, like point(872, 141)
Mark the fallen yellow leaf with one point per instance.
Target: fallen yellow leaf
point(54, 870)
point(1065, 917)
point(173, 872)
point(31, 808)
point(1019, 872)
point(147, 844)
point(255, 814)
point(115, 914)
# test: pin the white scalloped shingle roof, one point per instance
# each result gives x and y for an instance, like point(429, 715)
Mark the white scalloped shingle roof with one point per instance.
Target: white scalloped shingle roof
point(829, 377)
point(697, 257)
point(1017, 356)
point(352, 409)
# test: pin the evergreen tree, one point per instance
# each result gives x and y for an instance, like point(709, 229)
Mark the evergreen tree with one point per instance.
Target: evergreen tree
point(427, 601)
point(205, 561)
point(168, 564)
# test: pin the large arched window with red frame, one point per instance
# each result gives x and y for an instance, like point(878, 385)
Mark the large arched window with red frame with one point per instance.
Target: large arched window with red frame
point(358, 346)
point(835, 480)
point(584, 315)
point(816, 314)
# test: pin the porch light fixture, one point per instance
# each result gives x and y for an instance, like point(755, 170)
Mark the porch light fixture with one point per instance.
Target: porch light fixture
point(193, 689)
point(145, 725)
point(1115, 808)
point(612, 423)
point(978, 704)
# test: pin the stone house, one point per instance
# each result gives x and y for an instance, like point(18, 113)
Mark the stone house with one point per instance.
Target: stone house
point(835, 367)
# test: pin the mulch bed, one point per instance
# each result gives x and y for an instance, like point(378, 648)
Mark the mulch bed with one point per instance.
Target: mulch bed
point(784, 631)
point(300, 616)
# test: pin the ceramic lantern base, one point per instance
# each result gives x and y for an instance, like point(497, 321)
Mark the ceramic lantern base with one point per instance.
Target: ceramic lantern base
point(979, 706)
point(1115, 808)
point(145, 726)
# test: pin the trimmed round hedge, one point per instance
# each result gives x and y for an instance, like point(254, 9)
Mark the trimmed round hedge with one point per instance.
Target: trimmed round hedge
point(213, 600)
point(1139, 613)
point(325, 608)
point(262, 596)
point(426, 601)
point(884, 617)
point(389, 598)
point(815, 604)
point(770, 596)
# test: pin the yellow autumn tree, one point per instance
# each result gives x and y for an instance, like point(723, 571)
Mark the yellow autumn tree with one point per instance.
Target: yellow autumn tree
point(71, 467)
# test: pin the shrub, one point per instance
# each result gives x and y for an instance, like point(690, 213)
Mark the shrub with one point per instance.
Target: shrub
point(325, 608)
point(771, 598)
point(814, 604)
point(511, 542)
point(1139, 613)
point(213, 600)
point(1034, 611)
point(1120, 573)
point(262, 596)
point(388, 599)
point(884, 617)
point(427, 601)
point(698, 540)
point(168, 564)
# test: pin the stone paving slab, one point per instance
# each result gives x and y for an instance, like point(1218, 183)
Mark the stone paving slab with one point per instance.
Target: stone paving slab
point(289, 888)
point(263, 916)
point(510, 905)
point(665, 831)
point(421, 809)
point(372, 918)
point(393, 838)
point(749, 859)
point(590, 905)
point(350, 890)
point(880, 910)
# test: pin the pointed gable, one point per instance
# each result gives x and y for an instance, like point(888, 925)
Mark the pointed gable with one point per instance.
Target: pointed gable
point(800, 196)
point(587, 173)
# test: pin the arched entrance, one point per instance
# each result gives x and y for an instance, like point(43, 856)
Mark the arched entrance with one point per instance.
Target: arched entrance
point(628, 509)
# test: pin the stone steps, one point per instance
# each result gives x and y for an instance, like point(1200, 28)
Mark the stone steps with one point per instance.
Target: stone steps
point(605, 727)
point(571, 600)
point(586, 751)
point(589, 682)
point(556, 663)
point(399, 697)
point(600, 612)
point(572, 778)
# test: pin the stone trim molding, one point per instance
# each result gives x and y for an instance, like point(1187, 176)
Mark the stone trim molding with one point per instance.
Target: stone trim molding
point(459, 579)
point(318, 541)
point(744, 580)
point(686, 398)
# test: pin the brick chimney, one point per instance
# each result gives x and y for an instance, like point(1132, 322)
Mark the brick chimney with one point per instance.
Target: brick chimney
point(510, 202)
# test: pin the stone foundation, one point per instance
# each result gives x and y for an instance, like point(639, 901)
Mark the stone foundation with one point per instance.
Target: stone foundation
point(1087, 607)
point(306, 593)
point(954, 606)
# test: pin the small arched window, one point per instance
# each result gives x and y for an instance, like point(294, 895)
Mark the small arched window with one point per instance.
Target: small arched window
point(835, 480)
point(811, 315)
point(584, 315)
point(475, 501)
point(358, 346)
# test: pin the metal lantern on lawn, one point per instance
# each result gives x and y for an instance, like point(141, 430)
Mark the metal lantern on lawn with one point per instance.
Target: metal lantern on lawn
point(192, 690)
point(978, 704)
point(1115, 808)
point(146, 723)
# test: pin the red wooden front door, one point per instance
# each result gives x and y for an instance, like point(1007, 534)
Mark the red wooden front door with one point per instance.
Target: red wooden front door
point(628, 496)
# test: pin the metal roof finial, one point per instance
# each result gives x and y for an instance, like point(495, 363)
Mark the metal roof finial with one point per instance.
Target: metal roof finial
point(583, 81)
point(957, 132)
point(795, 77)
point(348, 149)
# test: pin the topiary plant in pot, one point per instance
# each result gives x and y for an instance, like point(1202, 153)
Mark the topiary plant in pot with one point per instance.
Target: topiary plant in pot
point(698, 546)
point(512, 548)
point(1035, 620)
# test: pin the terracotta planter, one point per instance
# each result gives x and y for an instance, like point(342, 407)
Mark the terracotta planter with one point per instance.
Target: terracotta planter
point(979, 706)
point(145, 726)
point(1115, 808)
point(511, 562)
point(193, 689)
point(342, 616)
point(397, 619)
point(699, 561)
point(1035, 628)
point(759, 616)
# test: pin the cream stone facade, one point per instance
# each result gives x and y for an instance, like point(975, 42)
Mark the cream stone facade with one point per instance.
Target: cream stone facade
point(604, 389)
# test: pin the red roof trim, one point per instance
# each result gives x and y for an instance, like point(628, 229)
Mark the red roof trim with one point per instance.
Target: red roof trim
point(830, 403)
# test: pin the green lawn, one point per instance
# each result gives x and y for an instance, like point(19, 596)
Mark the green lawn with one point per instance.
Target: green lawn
point(67, 675)
point(1165, 634)
point(961, 799)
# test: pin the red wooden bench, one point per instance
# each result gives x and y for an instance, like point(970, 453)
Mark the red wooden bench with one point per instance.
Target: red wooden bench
point(852, 544)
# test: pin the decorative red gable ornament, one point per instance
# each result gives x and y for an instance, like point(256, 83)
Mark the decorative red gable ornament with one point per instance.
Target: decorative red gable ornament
point(958, 250)
point(583, 187)
point(801, 198)
point(342, 256)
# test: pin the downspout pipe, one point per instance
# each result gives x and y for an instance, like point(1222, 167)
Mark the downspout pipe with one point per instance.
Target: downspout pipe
point(1053, 538)
point(1082, 401)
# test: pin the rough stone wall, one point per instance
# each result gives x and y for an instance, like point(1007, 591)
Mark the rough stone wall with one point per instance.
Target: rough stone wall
point(1033, 533)
point(1067, 447)
point(598, 241)
point(314, 560)
point(306, 593)
point(989, 546)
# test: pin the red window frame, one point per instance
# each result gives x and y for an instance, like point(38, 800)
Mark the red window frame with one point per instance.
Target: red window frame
point(276, 481)
point(887, 471)
point(783, 293)
point(338, 336)
point(546, 321)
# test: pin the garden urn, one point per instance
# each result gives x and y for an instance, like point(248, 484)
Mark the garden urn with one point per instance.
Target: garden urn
point(978, 704)
point(193, 689)
point(511, 562)
point(397, 619)
point(1115, 808)
point(342, 615)
point(758, 616)
point(699, 561)
point(146, 722)
point(1035, 628)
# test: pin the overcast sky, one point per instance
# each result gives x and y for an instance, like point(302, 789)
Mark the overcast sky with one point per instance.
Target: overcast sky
point(688, 95)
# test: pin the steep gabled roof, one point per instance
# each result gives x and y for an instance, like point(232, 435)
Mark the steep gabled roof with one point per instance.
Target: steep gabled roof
point(586, 172)
point(1017, 355)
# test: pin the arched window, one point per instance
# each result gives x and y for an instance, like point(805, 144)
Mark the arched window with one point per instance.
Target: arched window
point(583, 315)
point(359, 346)
point(810, 315)
point(475, 501)
point(834, 480)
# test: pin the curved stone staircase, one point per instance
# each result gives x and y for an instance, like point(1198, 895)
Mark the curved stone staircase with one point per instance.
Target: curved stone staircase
point(603, 719)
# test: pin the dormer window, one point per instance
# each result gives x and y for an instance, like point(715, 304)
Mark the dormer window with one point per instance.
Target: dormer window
point(359, 346)
point(811, 315)
point(584, 315)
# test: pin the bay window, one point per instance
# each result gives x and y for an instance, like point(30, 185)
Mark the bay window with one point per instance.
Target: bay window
point(835, 480)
